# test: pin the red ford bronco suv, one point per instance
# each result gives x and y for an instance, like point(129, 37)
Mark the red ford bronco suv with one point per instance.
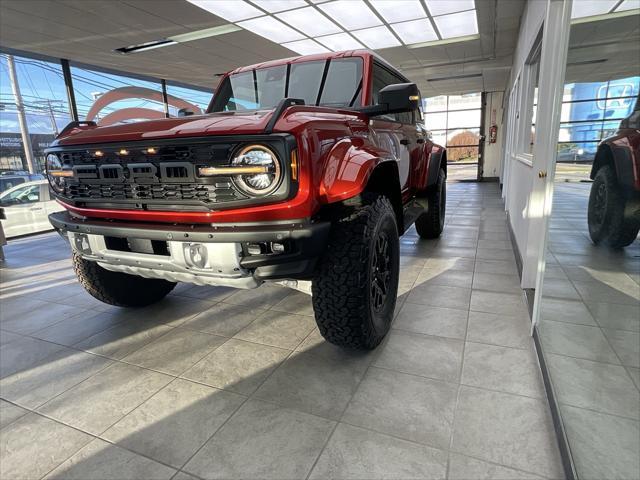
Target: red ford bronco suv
point(304, 169)
point(614, 201)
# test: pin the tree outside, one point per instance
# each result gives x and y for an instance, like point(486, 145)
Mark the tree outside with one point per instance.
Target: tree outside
point(463, 146)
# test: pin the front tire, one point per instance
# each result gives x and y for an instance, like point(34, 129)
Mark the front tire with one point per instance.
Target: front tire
point(119, 289)
point(355, 286)
point(611, 218)
point(431, 223)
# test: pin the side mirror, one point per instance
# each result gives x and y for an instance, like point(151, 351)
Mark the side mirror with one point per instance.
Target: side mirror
point(185, 112)
point(396, 98)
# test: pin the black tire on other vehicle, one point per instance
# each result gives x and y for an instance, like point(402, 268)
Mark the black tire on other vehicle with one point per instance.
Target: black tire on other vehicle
point(431, 223)
point(611, 219)
point(120, 289)
point(356, 283)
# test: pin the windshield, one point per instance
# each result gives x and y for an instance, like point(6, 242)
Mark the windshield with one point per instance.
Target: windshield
point(335, 83)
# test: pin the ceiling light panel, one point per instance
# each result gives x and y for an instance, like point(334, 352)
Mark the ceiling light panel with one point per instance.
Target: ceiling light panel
point(377, 37)
point(274, 6)
point(205, 33)
point(339, 42)
point(457, 24)
point(305, 47)
point(443, 7)
point(628, 5)
point(399, 10)
point(351, 14)
point(416, 31)
point(309, 21)
point(589, 8)
point(271, 29)
point(231, 10)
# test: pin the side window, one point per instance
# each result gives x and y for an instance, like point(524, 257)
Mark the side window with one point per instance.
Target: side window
point(343, 84)
point(305, 79)
point(381, 78)
point(27, 194)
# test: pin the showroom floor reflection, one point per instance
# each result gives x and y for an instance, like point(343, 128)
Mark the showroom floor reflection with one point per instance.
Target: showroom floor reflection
point(220, 383)
point(590, 333)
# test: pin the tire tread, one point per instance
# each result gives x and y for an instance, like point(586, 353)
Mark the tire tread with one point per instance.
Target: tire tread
point(340, 289)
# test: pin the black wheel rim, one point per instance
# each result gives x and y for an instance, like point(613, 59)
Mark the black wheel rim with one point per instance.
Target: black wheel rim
point(380, 272)
point(600, 203)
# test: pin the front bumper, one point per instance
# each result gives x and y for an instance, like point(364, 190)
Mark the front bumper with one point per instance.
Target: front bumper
point(167, 251)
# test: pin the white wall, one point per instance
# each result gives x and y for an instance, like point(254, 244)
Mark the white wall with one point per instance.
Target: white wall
point(493, 151)
point(518, 171)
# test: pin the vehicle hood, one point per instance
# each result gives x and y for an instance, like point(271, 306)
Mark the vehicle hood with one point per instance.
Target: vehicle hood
point(222, 123)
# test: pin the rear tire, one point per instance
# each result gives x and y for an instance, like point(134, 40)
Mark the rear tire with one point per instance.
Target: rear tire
point(431, 223)
point(355, 286)
point(611, 216)
point(120, 289)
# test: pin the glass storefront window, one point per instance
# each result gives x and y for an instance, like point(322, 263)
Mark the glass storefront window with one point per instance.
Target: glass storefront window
point(454, 122)
point(46, 109)
point(465, 102)
point(196, 97)
point(464, 119)
point(591, 112)
point(108, 99)
point(436, 121)
point(435, 104)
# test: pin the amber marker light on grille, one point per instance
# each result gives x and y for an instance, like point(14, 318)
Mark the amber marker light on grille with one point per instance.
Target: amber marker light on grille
point(248, 170)
point(151, 151)
point(98, 153)
point(123, 151)
point(61, 173)
point(294, 164)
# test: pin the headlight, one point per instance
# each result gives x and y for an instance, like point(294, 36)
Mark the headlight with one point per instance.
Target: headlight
point(55, 173)
point(267, 164)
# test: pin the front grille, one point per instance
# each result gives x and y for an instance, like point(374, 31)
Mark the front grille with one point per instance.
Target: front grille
point(218, 192)
point(163, 174)
point(164, 153)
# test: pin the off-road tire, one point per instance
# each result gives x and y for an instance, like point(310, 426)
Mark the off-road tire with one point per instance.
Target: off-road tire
point(350, 310)
point(120, 289)
point(431, 223)
point(611, 218)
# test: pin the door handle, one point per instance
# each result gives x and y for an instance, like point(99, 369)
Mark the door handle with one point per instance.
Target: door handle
point(420, 140)
point(404, 141)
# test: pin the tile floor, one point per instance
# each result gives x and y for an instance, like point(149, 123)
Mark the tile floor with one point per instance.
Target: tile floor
point(218, 383)
point(590, 333)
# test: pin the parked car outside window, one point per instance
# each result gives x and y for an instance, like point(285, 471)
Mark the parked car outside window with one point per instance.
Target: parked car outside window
point(27, 207)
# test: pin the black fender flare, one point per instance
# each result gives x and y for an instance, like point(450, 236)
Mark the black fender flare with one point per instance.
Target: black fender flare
point(435, 164)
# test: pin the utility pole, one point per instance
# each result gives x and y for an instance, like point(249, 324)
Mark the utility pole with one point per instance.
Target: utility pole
point(53, 118)
point(22, 118)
